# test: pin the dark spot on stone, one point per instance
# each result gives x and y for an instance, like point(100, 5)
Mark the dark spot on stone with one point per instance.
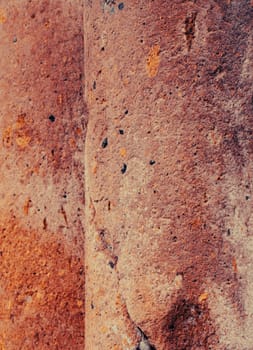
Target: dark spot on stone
point(102, 48)
point(121, 6)
point(124, 168)
point(105, 143)
point(228, 232)
point(111, 264)
point(92, 306)
point(247, 198)
point(126, 111)
point(152, 162)
point(94, 85)
point(216, 71)
point(189, 326)
point(190, 29)
point(15, 39)
point(51, 118)
point(44, 223)
point(121, 132)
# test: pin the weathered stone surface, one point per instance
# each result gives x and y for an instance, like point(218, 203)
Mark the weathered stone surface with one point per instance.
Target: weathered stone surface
point(42, 125)
point(169, 175)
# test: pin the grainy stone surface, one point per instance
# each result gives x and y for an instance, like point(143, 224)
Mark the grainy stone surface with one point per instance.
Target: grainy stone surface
point(42, 130)
point(169, 175)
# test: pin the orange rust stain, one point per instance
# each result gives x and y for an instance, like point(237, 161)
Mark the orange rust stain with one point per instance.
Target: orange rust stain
point(91, 96)
point(79, 303)
point(27, 206)
point(23, 141)
point(122, 152)
point(153, 61)
point(2, 16)
point(117, 347)
point(47, 24)
point(7, 134)
point(94, 168)
point(126, 81)
point(59, 99)
point(72, 143)
point(20, 121)
point(203, 297)
point(78, 131)
point(196, 223)
point(104, 330)
point(31, 286)
point(234, 264)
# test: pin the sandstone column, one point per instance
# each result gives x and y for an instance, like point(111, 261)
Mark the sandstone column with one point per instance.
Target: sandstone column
point(169, 175)
point(42, 125)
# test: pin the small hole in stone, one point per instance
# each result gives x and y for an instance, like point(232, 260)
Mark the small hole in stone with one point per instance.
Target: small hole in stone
point(51, 118)
point(105, 143)
point(121, 131)
point(121, 6)
point(124, 168)
point(111, 264)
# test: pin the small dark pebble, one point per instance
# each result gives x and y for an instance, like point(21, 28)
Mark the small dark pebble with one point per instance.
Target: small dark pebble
point(121, 132)
point(126, 111)
point(247, 198)
point(105, 143)
point(124, 168)
point(15, 39)
point(51, 118)
point(152, 162)
point(94, 85)
point(111, 264)
point(228, 232)
point(121, 5)
point(92, 306)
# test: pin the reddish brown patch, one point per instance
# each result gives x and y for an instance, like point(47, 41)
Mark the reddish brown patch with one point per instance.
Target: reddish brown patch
point(42, 287)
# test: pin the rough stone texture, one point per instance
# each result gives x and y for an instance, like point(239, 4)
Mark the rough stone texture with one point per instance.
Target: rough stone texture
point(169, 175)
point(42, 129)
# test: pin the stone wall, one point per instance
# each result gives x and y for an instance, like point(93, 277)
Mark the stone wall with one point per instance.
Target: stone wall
point(168, 175)
point(42, 129)
point(156, 193)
